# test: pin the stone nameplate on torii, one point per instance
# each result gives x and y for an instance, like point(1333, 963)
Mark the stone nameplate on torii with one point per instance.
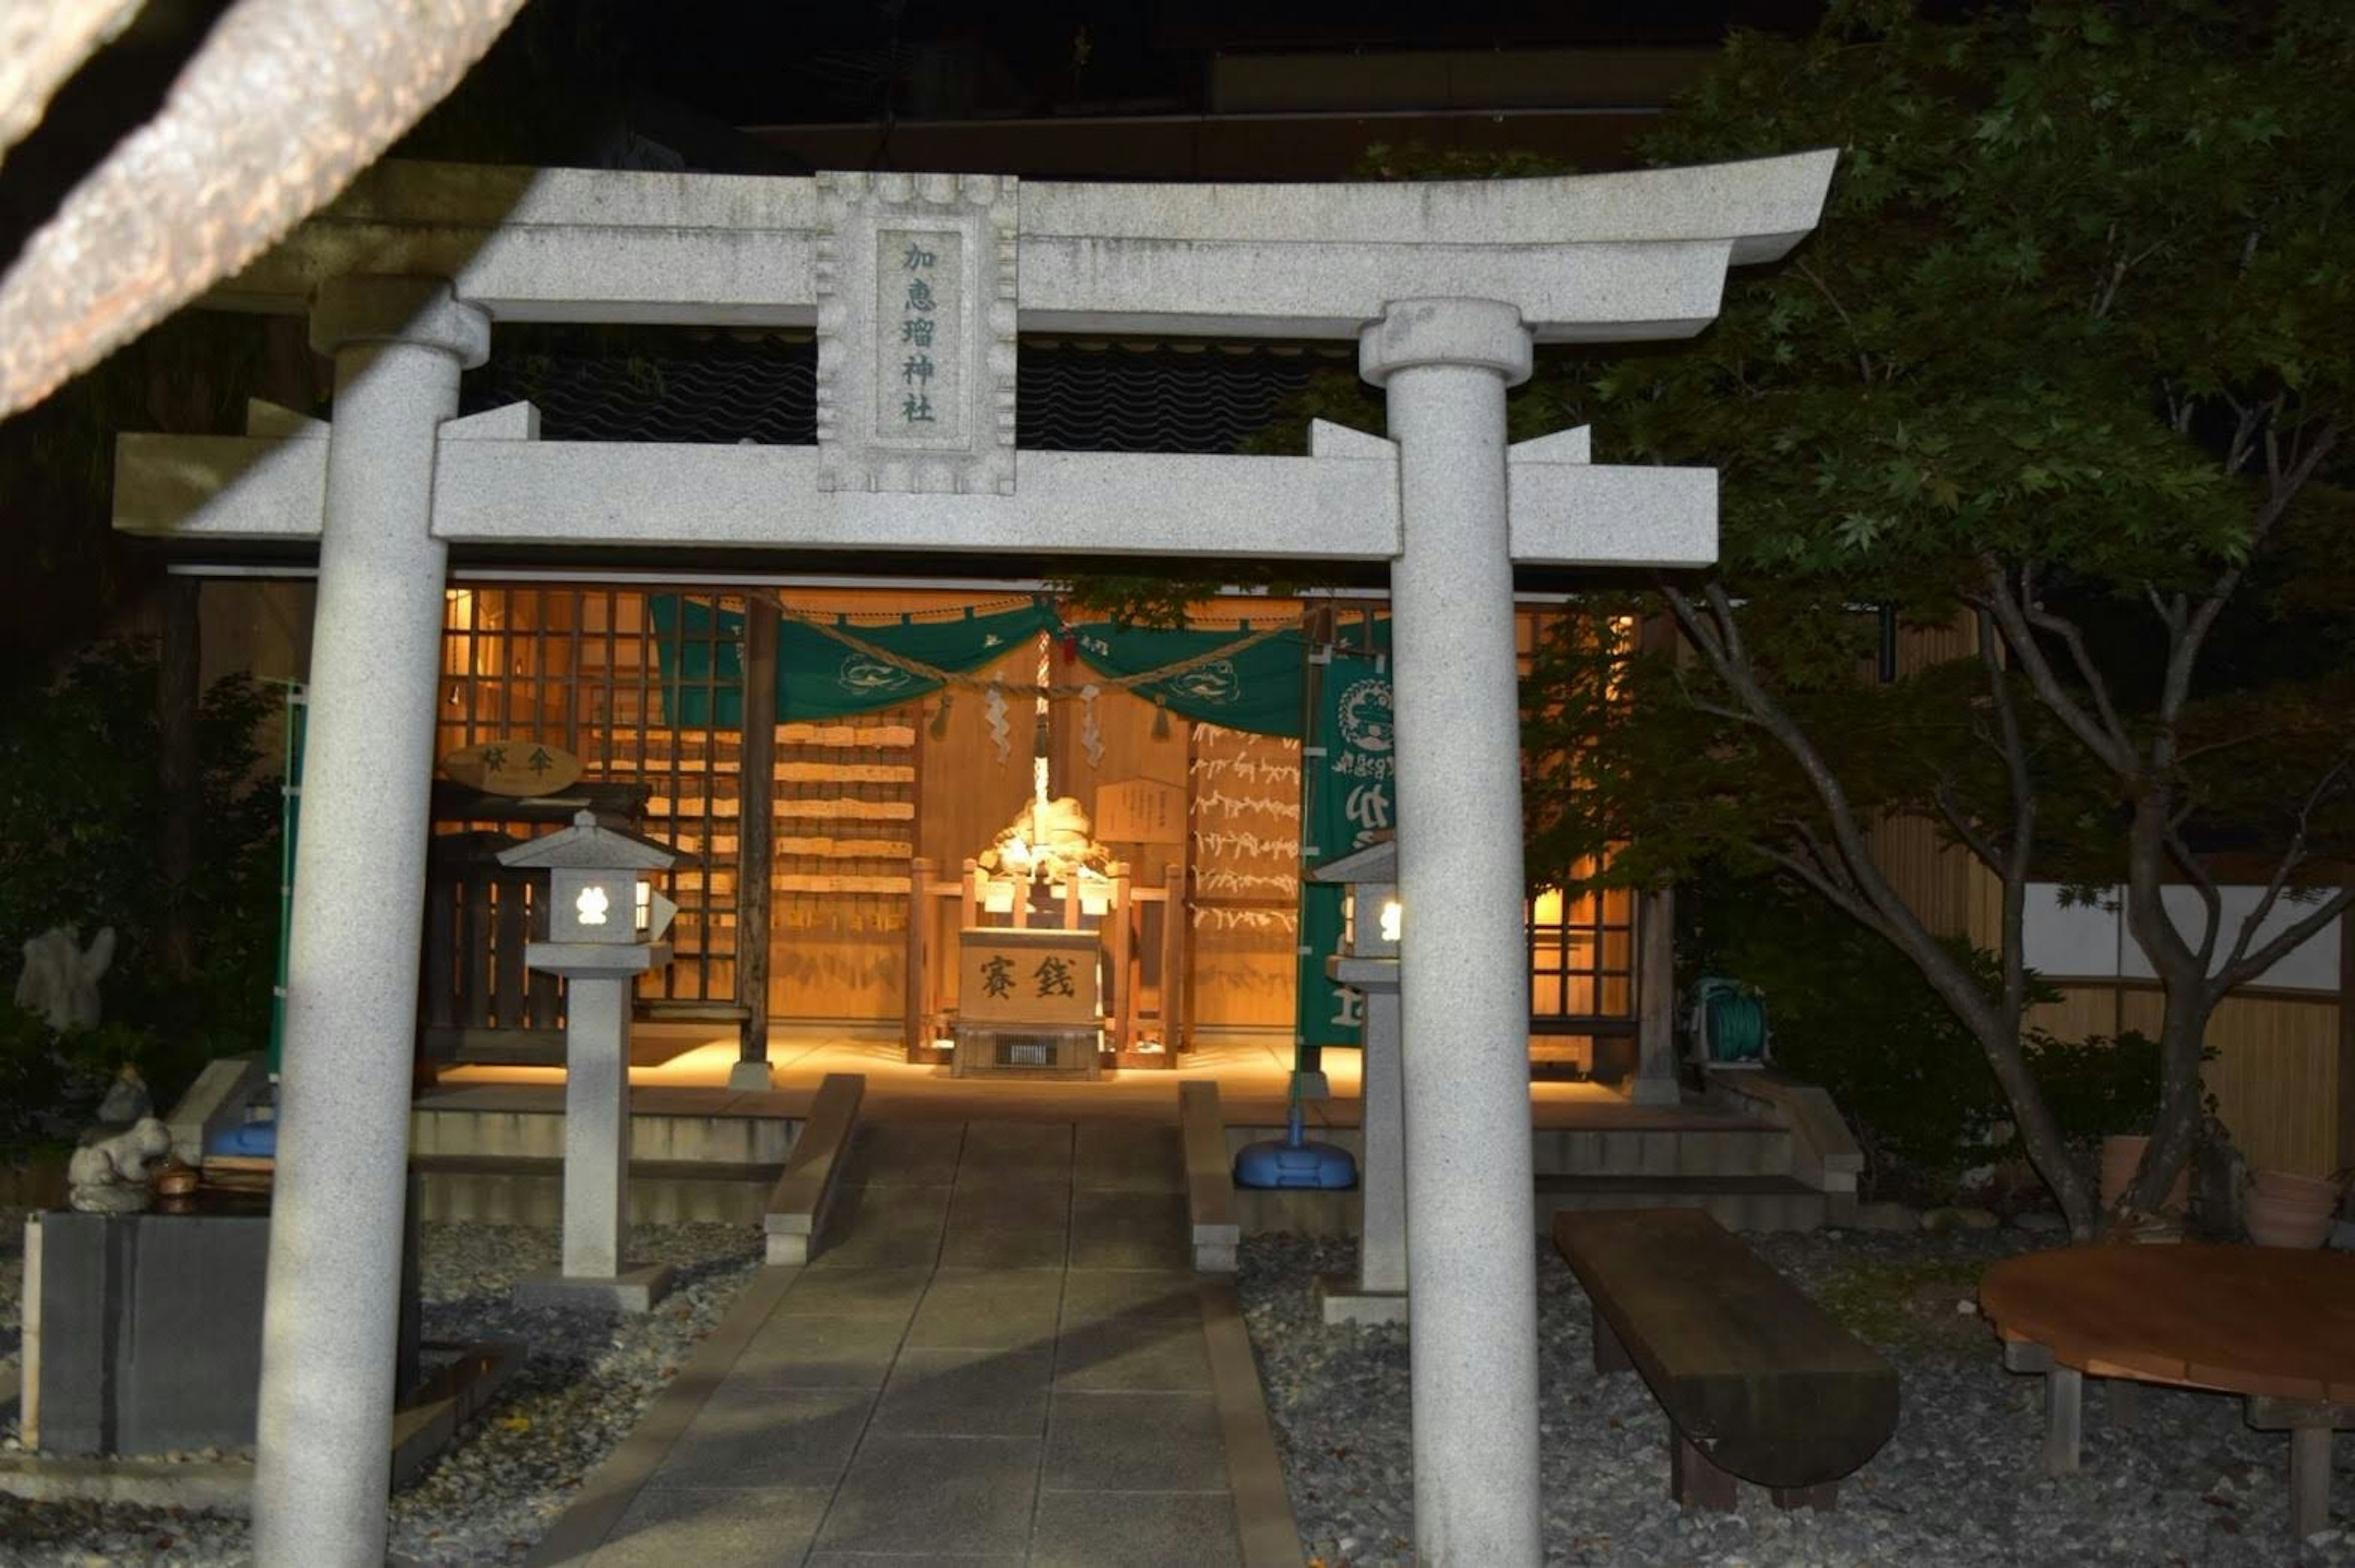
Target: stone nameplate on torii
point(915, 333)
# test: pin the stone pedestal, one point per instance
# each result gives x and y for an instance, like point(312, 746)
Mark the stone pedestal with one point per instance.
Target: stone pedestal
point(596, 1129)
point(1379, 1292)
point(321, 1465)
point(751, 1078)
point(1445, 364)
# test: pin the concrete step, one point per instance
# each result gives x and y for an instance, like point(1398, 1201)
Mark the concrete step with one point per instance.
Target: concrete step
point(538, 1133)
point(1737, 1202)
point(1721, 1147)
point(526, 1190)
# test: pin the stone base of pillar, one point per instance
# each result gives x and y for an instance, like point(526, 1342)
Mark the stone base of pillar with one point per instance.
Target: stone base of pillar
point(751, 1077)
point(1655, 1092)
point(1314, 1085)
point(1340, 1300)
point(631, 1291)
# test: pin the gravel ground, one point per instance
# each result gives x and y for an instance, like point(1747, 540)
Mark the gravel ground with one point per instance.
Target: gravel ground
point(1960, 1483)
point(585, 1384)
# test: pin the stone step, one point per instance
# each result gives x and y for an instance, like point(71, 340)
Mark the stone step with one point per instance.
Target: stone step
point(1737, 1202)
point(1731, 1148)
point(540, 1134)
point(512, 1191)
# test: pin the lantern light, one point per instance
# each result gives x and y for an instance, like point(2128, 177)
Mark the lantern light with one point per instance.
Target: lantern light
point(1392, 912)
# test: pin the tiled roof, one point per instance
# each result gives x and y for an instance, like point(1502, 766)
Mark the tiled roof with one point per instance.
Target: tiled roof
point(1074, 396)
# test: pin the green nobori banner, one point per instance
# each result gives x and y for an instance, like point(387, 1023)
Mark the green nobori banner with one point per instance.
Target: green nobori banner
point(1352, 794)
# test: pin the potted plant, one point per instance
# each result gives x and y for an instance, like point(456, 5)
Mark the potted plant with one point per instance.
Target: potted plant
point(2288, 1210)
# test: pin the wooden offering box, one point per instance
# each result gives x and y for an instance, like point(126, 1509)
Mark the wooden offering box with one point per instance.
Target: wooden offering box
point(1027, 1002)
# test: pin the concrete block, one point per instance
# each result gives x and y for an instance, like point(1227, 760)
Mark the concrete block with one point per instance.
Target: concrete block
point(216, 1100)
point(1339, 1300)
point(633, 1291)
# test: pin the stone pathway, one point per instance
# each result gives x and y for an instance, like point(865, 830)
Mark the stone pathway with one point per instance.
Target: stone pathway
point(1002, 1356)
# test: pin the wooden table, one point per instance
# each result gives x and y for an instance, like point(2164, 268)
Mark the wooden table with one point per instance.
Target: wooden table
point(2274, 1324)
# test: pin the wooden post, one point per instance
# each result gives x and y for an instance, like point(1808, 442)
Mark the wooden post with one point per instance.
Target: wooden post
point(755, 814)
point(2346, 1040)
point(1655, 987)
point(2064, 1412)
point(1122, 1000)
point(179, 690)
point(1693, 1481)
point(2310, 1481)
point(1172, 960)
point(918, 1008)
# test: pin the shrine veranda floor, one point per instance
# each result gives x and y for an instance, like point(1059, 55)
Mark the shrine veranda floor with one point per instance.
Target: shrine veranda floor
point(684, 1070)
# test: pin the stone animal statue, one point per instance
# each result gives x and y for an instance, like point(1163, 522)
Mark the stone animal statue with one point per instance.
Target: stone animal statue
point(59, 980)
point(283, 103)
point(111, 1175)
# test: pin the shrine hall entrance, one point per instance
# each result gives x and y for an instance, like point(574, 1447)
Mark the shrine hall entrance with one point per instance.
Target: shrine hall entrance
point(938, 763)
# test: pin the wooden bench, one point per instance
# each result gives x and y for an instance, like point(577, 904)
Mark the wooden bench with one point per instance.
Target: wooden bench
point(1757, 1381)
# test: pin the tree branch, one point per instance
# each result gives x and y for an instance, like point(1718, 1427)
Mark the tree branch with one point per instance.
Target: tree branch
point(2109, 744)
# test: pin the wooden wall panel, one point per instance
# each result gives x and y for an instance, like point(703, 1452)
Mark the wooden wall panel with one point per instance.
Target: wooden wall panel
point(1934, 878)
point(2275, 1073)
point(967, 792)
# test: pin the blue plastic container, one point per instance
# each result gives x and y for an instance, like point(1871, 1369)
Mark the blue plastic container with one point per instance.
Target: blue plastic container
point(1293, 1161)
point(246, 1138)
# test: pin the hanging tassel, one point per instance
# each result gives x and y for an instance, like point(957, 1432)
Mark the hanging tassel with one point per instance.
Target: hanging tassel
point(1160, 720)
point(1091, 733)
point(940, 728)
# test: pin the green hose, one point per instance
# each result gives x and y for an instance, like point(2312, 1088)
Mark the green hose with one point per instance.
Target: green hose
point(1733, 1020)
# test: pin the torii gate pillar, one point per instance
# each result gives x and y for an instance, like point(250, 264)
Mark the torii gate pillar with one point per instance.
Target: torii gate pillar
point(323, 1467)
point(1462, 972)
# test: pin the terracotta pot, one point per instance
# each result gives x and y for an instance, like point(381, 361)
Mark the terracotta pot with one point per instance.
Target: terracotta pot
point(2286, 1210)
point(2120, 1155)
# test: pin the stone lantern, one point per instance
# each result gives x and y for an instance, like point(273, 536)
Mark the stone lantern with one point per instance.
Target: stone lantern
point(605, 928)
point(1371, 965)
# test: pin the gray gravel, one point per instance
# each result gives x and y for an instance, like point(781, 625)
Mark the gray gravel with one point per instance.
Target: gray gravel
point(585, 1382)
point(1959, 1484)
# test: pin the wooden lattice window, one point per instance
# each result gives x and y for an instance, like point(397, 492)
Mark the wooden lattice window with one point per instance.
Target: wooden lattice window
point(580, 668)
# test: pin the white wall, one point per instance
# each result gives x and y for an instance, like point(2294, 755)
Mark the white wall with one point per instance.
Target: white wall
point(2091, 942)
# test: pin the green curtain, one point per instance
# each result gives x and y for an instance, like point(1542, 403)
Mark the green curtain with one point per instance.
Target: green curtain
point(1256, 688)
point(698, 650)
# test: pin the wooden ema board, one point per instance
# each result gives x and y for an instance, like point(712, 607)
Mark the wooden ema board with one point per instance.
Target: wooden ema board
point(1032, 976)
point(1141, 811)
point(1245, 831)
point(2251, 1321)
point(1756, 1374)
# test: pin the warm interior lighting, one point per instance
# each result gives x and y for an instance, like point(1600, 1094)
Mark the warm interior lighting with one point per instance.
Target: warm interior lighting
point(1548, 910)
point(588, 908)
point(646, 905)
point(1392, 914)
point(997, 897)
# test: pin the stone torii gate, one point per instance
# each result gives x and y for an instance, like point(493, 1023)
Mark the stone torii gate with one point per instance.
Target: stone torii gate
point(917, 286)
